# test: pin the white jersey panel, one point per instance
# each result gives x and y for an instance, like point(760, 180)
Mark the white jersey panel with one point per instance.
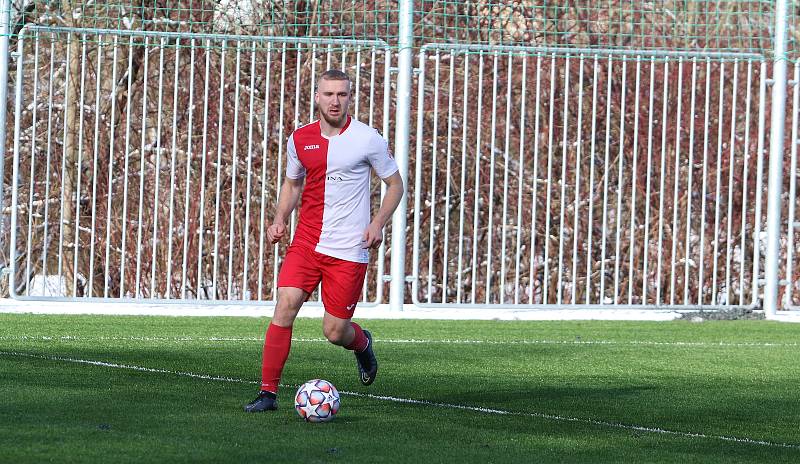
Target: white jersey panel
point(351, 156)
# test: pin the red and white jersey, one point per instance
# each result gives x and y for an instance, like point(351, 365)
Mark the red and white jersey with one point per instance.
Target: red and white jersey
point(335, 207)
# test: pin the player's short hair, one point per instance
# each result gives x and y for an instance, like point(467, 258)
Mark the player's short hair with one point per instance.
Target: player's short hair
point(335, 75)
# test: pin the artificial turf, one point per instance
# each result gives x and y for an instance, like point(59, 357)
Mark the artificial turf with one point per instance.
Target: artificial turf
point(155, 389)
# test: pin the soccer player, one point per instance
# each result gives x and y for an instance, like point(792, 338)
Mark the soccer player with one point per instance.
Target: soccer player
point(333, 157)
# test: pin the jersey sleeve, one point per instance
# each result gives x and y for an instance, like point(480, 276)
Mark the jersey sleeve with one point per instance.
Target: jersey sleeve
point(380, 158)
point(294, 168)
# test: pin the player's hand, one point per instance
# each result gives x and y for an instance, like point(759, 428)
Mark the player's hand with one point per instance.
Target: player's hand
point(373, 236)
point(275, 232)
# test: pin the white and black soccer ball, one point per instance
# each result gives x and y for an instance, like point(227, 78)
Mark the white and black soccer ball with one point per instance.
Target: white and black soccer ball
point(317, 401)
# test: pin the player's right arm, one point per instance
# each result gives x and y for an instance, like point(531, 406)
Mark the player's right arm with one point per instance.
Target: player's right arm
point(287, 202)
point(290, 193)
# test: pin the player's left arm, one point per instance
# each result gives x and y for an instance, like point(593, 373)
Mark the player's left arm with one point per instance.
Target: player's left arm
point(373, 236)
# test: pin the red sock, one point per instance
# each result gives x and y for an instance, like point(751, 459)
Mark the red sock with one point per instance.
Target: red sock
point(277, 342)
point(360, 341)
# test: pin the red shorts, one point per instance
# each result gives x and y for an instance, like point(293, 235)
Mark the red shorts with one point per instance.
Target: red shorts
point(342, 281)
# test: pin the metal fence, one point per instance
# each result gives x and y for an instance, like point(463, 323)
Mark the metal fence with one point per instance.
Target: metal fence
point(791, 297)
point(593, 156)
point(598, 180)
point(172, 195)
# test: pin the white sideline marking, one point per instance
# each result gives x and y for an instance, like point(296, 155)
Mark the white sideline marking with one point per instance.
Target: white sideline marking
point(553, 417)
point(408, 341)
point(559, 418)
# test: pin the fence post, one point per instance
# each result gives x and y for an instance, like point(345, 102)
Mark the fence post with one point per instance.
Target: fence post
point(5, 33)
point(775, 186)
point(401, 145)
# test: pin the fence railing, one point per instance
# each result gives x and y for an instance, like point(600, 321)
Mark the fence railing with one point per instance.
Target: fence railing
point(588, 178)
point(640, 165)
point(151, 162)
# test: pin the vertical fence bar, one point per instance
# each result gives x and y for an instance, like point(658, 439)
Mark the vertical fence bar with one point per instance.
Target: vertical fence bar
point(329, 53)
point(492, 146)
point(31, 217)
point(535, 177)
point(634, 169)
point(546, 282)
point(434, 162)
point(173, 161)
point(188, 174)
point(157, 169)
point(563, 195)
point(676, 184)
point(791, 222)
point(475, 216)
point(220, 132)
point(505, 180)
point(247, 199)
point(370, 122)
point(775, 185)
point(262, 214)
point(46, 241)
point(720, 116)
point(620, 175)
point(5, 28)
point(370, 111)
point(648, 188)
point(62, 200)
point(762, 98)
point(662, 170)
point(95, 149)
point(701, 260)
point(448, 177)
point(313, 87)
point(128, 108)
point(590, 220)
point(387, 93)
point(403, 116)
point(203, 163)
point(417, 181)
point(141, 171)
point(234, 162)
point(79, 168)
point(523, 100)
point(358, 82)
point(689, 188)
point(297, 66)
point(745, 178)
point(111, 167)
point(279, 176)
point(12, 252)
point(604, 236)
point(461, 208)
point(577, 204)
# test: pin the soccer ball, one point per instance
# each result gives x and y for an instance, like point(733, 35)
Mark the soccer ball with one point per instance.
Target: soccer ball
point(317, 401)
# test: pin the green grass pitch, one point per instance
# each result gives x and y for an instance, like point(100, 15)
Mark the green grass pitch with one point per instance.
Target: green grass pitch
point(171, 389)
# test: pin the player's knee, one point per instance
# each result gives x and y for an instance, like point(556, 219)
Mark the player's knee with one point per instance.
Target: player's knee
point(335, 334)
point(286, 309)
point(283, 311)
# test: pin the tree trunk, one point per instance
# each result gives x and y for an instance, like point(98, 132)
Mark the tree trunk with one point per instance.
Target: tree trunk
point(71, 124)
